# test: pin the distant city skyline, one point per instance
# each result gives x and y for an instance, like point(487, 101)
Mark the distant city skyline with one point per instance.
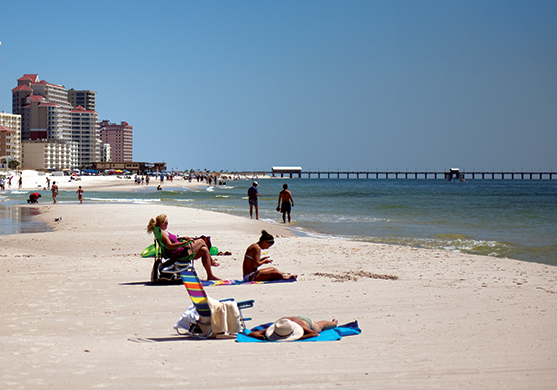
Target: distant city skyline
point(325, 85)
point(60, 129)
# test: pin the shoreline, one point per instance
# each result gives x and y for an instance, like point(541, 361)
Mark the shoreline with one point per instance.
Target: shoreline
point(79, 309)
point(36, 181)
point(32, 181)
point(181, 192)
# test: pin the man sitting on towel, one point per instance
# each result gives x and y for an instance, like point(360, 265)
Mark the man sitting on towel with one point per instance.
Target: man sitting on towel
point(293, 328)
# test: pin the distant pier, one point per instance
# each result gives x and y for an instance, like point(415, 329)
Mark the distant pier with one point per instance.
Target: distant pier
point(449, 175)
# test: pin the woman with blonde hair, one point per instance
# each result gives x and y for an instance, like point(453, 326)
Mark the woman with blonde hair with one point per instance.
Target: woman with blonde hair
point(179, 249)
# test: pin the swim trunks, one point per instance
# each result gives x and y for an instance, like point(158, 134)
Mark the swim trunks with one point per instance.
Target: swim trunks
point(285, 207)
point(252, 195)
point(251, 276)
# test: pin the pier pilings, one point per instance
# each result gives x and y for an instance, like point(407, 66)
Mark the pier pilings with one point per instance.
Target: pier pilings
point(435, 175)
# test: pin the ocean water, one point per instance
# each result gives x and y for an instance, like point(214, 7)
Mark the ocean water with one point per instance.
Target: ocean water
point(501, 218)
point(15, 219)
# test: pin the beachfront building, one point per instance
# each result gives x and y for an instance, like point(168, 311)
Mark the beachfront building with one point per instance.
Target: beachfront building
point(44, 154)
point(106, 152)
point(85, 127)
point(44, 109)
point(6, 137)
point(130, 166)
point(120, 138)
point(85, 133)
point(83, 98)
point(10, 138)
point(45, 124)
point(50, 113)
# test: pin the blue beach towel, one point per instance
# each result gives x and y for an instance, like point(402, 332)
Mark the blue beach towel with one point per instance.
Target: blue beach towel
point(350, 329)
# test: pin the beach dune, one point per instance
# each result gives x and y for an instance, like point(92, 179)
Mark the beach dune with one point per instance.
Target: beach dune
point(78, 311)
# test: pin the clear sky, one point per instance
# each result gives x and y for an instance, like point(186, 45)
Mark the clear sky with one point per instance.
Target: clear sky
point(326, 85)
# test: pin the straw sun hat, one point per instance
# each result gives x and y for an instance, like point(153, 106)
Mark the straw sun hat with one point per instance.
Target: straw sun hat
point(284, 330)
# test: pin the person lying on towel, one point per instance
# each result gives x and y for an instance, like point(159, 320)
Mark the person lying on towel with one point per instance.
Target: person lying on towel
point(253, 260)
point(293, 328)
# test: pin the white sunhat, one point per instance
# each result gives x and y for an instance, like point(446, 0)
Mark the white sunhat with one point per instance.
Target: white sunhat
point(284, 330)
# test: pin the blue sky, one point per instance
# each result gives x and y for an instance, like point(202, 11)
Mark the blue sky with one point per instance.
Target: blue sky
point(360, 85)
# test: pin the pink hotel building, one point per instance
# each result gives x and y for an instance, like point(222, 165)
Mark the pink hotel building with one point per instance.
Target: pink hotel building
point(120, 138)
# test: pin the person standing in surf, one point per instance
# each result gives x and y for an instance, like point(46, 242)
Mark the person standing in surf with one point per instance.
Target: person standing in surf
point(252, 199)
point(54, 191)
point(285, 197)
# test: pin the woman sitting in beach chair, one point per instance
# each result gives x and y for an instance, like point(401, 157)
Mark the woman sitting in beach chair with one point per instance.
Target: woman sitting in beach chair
point(181, 248)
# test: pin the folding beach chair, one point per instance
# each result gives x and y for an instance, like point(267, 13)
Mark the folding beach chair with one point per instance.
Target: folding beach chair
point(202, 327)
point(162, 267)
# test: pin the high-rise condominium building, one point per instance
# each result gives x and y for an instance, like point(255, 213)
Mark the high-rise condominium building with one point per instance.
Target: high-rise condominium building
point(44, 109)
point(51, 113)
point(120, 138)
point(85, 132)
point(85, 127)
point(83, 98)
point(10, 137)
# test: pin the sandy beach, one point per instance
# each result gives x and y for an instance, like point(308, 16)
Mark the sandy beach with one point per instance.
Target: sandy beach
point(78, 310)
point(35, 181)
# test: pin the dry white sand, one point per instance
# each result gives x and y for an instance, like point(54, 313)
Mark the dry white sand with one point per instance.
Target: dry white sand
point(78, 311)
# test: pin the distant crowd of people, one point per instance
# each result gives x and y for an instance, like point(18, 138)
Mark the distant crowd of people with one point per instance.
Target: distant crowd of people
point(284, 206)
point(210, 179)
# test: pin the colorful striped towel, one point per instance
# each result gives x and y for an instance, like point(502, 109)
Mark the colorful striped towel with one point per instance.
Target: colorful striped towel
point(207, 283)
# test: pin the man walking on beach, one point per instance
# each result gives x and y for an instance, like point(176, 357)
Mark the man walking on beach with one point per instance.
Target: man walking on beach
point(287, 203)
point(54, 191)
point(252, 198)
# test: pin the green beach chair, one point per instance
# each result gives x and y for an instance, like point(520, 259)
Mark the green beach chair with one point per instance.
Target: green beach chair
point(163, 270)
